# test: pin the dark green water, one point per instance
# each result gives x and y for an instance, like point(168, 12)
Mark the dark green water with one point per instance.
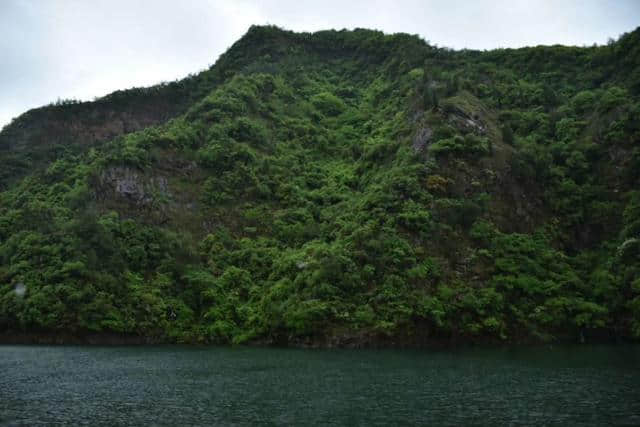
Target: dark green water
point(588, 385)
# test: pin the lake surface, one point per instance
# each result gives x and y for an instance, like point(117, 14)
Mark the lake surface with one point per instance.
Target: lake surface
point(586, 385)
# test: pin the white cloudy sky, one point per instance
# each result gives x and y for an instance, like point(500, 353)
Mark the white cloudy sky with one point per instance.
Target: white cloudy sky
point(81, 49)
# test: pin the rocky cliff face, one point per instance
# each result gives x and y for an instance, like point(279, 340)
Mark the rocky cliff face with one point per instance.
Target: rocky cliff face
point(132, 186)
point(44, 134)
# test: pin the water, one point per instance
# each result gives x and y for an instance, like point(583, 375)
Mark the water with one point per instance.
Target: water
point(588, 385)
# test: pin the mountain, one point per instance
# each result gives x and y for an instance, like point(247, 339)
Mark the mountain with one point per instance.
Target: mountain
point(345, 188)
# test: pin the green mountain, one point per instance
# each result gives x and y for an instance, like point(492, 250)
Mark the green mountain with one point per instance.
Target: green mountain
point(335, 188)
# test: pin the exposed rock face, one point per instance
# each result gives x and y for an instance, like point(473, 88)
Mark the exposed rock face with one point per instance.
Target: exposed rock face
point(43, 133)
point(463, 120)
point(422, 138)
point(129, 184)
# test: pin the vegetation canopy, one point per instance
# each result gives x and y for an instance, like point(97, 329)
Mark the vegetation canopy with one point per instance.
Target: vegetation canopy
point(335, 188)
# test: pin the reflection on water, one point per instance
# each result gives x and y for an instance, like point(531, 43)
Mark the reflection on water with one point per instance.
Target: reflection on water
point(592, 385)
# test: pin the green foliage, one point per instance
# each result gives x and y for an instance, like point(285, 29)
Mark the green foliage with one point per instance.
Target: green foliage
point(342, 186)
point(468, 145)
point(328, 103)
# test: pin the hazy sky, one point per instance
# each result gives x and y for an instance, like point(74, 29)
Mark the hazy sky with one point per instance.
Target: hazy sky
point(81, 49)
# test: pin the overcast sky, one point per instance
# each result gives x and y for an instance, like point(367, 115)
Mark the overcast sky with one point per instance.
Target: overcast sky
point(81, 49)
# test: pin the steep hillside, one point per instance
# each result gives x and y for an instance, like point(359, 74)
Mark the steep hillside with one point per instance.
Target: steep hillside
point(335, 188)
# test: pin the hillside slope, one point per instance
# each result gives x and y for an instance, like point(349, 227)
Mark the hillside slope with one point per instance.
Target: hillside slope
point(335, 188)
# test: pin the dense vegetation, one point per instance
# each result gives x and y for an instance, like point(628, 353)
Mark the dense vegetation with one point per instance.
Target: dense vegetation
point(335, 188)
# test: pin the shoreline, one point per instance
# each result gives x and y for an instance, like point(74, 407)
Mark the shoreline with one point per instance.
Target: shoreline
point(331, 342)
